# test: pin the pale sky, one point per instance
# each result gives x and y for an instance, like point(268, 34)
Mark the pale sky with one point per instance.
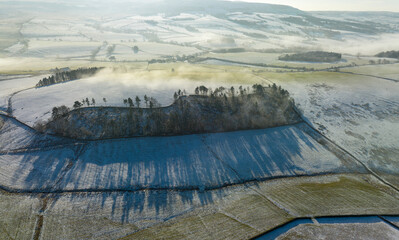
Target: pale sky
point(339, 5)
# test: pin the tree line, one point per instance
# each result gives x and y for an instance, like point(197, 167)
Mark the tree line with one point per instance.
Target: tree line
point(315, 56)
point(388, 54)
point(63, 76)
point(218, 110)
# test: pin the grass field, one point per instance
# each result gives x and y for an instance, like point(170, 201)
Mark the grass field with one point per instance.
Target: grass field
point(300, 197)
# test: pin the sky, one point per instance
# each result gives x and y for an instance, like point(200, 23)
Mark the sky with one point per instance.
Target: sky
point(338, 5)
point(306, 5)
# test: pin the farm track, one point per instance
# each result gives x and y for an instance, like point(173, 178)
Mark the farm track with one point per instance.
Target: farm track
point(9, 109)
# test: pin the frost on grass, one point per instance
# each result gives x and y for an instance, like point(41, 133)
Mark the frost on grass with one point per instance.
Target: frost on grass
point(333, 195)
point(18, 216)
point(378, 230)
point(189, 162)
point(13, 84)
point(34, 171)
point(259, 210)
point(358, 113)
point(14, 135)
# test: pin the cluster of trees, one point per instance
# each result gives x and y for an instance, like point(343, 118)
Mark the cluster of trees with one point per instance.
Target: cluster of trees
point(135, 49)
point(379, 61)
point(316, 56)
point(63, 76)
point(218, 110)
point(59, 112)
point(230, 50)
point(177, 58)
point(149, 102)
point(225, 92)
point(110, 50)
point(78, 104)
point(388, 54)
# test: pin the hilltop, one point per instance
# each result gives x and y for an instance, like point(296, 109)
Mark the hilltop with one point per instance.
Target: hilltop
point(221, 110)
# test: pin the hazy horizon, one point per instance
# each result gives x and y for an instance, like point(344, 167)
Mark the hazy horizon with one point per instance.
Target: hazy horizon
point(336, 5)
point(305, 5)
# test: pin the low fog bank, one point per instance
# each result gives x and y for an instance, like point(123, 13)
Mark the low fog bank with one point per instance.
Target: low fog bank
point(111, 86)
point(370, 45)
point(158, 82)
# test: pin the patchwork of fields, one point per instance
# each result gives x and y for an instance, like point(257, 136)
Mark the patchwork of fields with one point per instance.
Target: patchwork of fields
point(133, 186)
point(299, 180)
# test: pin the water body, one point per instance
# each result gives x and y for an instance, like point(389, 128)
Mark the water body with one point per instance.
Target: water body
point(273, 234)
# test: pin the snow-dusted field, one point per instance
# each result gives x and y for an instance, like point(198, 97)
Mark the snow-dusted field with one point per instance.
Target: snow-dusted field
point(359, 113)
point(36, 171)
point(15, 135)
point(36, 104)
point(162, 35)
point(8, 86)
point(60, 49)
point(164, 187)
point(385, 71)
point(193, 161)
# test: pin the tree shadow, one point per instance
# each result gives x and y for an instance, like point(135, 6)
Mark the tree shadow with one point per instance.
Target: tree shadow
point(151, 173)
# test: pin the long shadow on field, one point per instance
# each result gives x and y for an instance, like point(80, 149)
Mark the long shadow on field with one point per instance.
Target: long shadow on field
point(146, 206)
point(189, 162)
point(174, 167)
point(35, 171)
point(199, 162)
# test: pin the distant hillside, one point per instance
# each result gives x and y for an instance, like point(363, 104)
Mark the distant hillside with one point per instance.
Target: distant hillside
point(152, 7)
point(316, 56)
point(388, 54)
point(217, 111)
point(214, 7)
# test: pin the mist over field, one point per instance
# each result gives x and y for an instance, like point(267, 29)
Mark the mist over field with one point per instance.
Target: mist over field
point(84, 30)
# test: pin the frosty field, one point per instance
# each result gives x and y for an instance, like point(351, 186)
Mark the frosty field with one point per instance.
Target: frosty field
point(10, 85)
point(358, 112)
point(200, 172)
point(194, 165)
point(186, 162)
point(333, 173)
